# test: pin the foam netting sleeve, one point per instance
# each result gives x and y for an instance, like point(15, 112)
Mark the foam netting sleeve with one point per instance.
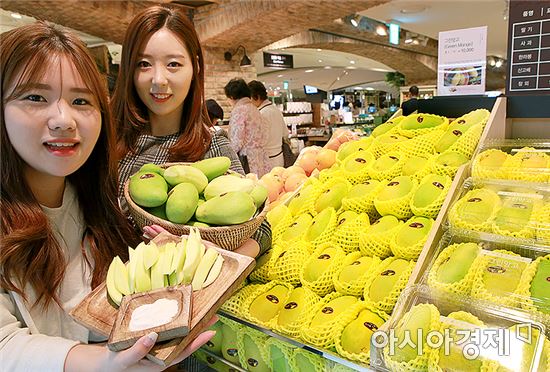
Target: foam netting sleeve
point(443, 170)
point(467, 143)
point(263, 288)
point(481, 116)
point(423, 145)
point(355, 287)
point(529, 229)
point(326, 235)
point(424, 171)
point(379, 148)
point(457, 222)
point(364, 204)
point(421, 362)
point(323, 335)
point(259, 339)
point(282, 225)
point(332, 172)
point(308, 204)
point(443, 123)
point(361, 175)
point(524, 290)
point(387, 303)
point(286, 261)
point(323, 285)
point(286, 350)
point(463, 286)
point(409, 252)
point(262, 273)
point(489, 172)
point(543, 226)
point(317, 362)
point(518, 173)
point(347, 235)
point(377, 244)
point(479, 291)
point(361, 357)
point(293, 329)
point(464, 317)
point(390, 173)
point(234, 304)
point(432, 209)
point(398, 207)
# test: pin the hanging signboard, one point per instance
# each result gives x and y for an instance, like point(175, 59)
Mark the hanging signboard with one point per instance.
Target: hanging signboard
point(529, 48)
point(462, 60)
point(278, 60)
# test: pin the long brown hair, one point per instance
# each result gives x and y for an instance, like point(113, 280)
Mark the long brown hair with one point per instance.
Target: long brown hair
point(131, 115)
point(29, 251)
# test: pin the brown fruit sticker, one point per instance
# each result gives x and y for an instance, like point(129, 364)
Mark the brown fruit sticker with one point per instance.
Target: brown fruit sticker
point(394, 183)
point(461, 121)
point(370, 326)
point(474, 200)
point(420, 119)
point(387, 273)
point(496, 269)
point(252, 362)
point(355, 263)
point(456, 132)
point(146, 175)
point(360, 160)
point(324, 257)
point(416, 225)
point(438, 185)
point(232, 352)
point(291, 305)
point(272, 298)
point(327, 310)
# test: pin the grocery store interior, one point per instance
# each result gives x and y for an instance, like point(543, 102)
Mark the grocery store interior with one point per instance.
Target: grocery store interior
point(403, 238)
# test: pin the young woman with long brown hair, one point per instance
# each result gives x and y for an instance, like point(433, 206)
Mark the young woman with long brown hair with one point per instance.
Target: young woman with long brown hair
point(60, 225)
point(159, 103)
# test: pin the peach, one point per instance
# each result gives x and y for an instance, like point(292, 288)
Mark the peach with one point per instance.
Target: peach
point(294, 181)
point(293, 169)
point(308, 162)
point(333, 144)
point(325, 158)
point(273, 184)
point(252, 176)
point(278, 171)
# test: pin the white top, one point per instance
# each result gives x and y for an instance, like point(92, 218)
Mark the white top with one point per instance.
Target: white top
point(36, 339)
point(277, 127)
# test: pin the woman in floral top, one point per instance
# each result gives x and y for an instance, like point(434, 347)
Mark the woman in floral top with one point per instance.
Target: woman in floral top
point(248, 130)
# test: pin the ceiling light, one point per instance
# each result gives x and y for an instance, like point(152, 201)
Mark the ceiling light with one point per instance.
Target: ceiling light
point(352, 62)
point(327, 67)
point(492, 62)
point(355, 20)
point(320, 60)
point(358, 88)
point(319, 50)
point(413, 9)
point(498, 63)
point(381, 30)
point(309, 70)
point(351, 68)
point(16, 15)
point(369, 88)
point(281, 75)
point(416, 42)
point(338, 78)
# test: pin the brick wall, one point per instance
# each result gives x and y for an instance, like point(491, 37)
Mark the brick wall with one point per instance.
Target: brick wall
point(218, 72)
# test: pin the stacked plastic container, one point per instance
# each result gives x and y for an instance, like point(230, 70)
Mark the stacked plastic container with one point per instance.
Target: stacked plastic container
point(483, 304)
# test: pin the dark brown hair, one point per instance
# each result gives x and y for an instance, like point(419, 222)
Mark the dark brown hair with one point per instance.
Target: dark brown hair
point(29, 251)
point(130, 112)
point(257, 90)
point(237, 89)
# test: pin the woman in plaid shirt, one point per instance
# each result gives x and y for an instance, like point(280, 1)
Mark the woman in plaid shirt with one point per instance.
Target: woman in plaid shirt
point(159, 106)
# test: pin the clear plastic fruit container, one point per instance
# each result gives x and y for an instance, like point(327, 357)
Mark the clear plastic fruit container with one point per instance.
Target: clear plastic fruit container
point(430, 332)
point(525, 160)
point(494, 269)
point(510, 208)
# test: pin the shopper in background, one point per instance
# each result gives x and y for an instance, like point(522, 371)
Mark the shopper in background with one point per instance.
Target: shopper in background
point(159, 103)
point(215, 111)
point(277, 130)
point(411, 105)
point(60, 225)
point(248, 130)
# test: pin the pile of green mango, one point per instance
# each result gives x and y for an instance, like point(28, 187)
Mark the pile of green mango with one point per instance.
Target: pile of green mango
point(199, 194)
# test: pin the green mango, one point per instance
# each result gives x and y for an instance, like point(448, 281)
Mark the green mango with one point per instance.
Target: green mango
point(253, 356)
point(215, 343)
point(148, 189)
point(177, 174)
point(357, 334)
point(419, 317)
point(232, 208)
point(182, 203)
point(197, 223)
point(159, 211)
point(448, 139)
point(350, 147)
point(151, 167)
point(267, 305)
point(332, 197)
point(457, 265)
point(429, 190)
point(385, 281)
point(514, 214)
point(540, 287)
point(259, 194)
point(414, 231)
point(213, 167)
point(279, 362)
point(501, 275)
point(387, 126)
point(421, 121)
point(332, 310)
point(230, 348)
point(224, 184)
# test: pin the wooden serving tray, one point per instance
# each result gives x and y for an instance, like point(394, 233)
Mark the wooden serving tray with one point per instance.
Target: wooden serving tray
point(122, 338)
point(98, 314)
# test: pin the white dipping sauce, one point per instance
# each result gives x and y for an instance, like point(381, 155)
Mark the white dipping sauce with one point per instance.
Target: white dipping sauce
point(160, 312)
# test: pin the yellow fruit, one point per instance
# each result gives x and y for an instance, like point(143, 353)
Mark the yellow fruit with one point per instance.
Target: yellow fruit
point(332, 310)
point(332, 197)
point(418, 318)
point(429, 190)
point(298, 228)
point(320, 223)
point(396, 188)
point(267, 305)
point(413, 165)
point(320, 264)
point(356, 269)
point(383, 284)
point(356, 335)
point(295, 307)
point(414, 231)
point(455, 268)
point(451, 159)
point(477, 206)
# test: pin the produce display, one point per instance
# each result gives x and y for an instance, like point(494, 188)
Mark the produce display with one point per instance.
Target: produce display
point(153, 267)
point(504, 208)
point(450, 333)
point(198, 194)
point(346, 242)
point(520, 160)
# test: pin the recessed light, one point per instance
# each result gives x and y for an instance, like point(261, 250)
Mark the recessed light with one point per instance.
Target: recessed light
point(351, 68)
point(328, 67)
point(319, 50)
point(16, 15)
point(498, 63)
point(320, 60)
point(352, 62)
point(281, 75)
point(354, 22)
point(358, 88)
point(413, 9)
point(381, 30)
point(309, 70)
point(338, 78)
point(369, 88)
point(408, 41)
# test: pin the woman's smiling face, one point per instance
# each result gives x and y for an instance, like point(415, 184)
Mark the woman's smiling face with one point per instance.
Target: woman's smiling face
point(163, 73)
point(54, 123)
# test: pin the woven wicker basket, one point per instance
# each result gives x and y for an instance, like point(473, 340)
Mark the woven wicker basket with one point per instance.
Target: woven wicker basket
point(226, 237)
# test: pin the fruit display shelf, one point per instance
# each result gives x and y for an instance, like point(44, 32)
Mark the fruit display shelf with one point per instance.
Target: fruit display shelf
point(332, 358)
point(452, 332)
